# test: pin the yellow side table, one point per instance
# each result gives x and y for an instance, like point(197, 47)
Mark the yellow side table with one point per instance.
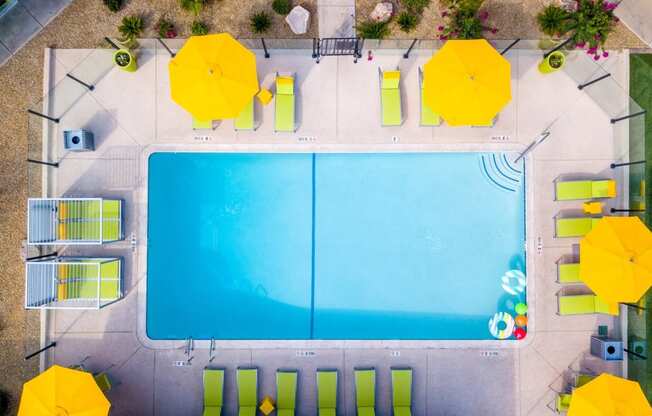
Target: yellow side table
point(264, 96)
point(266, 406)
point(592, 207)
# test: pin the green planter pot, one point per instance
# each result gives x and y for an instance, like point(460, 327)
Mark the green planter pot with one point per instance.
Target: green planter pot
point(125, 60)
point(553, 62)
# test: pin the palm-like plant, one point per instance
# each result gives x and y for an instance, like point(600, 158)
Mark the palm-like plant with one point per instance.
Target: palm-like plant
point(194, 6)
point(553, 20)
point(131, 27)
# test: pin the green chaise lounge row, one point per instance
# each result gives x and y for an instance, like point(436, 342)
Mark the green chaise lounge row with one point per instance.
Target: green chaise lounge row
point(286, 391)
point(562, 401)
point(585, 189)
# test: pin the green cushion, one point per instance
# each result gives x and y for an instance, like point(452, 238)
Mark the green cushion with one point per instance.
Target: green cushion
point(326, 389)
point(213, 387)
point(247, 380)
point(327, 411)
point(582, 379)
point(428, 117)
point(574, 226)
point(569, 273)
point(603, 188)
point(81, 220)
point(402, 411)
point(570, 190)
point(284, 117)
point(366, 411)
point(284, 412)
point(247, 411)
point(286, 390)
point(201, 124)
point(390, 80)
point(365, 388)
point(212, 411)
point(402, 388)
point(245, 120)
point(390, 100)
point(81, 280)
point(563, 402)
point(576, 304)
point(284, 85)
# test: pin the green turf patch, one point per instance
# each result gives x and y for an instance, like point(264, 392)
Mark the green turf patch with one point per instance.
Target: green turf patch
point(640, 177)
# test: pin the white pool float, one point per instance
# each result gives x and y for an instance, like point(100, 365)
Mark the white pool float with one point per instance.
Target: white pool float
point(505, 318)
point(513, 282)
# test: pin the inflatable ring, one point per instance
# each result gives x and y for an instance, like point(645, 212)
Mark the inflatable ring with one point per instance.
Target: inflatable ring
point(505, 318)
point(513, 282)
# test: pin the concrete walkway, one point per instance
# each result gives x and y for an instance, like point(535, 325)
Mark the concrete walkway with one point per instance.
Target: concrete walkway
point(21, 20)
point(637, 15)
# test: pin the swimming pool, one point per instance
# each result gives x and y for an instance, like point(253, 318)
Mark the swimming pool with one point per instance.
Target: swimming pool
point(414, 246)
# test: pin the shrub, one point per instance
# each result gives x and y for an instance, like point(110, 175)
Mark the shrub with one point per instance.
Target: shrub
point(165, 28)
point(588, 25)
point(371, 29)
point(553, 20)
point(465, 22)
point(260, 22)
point(462, 4)
point(282, 7)
point(131, 27)
point(113, 5)
point(415, 6)
point(198, 28)
point(407, 21)
point(194, 6)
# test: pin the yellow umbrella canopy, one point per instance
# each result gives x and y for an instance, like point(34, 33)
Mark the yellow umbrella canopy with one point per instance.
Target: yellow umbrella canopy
point(616, 259)
point(61, 391)
point(609, 395)
point(213, 77)
point(467, 82)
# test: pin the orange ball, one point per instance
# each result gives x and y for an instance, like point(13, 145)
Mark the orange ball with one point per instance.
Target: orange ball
point(521, 321)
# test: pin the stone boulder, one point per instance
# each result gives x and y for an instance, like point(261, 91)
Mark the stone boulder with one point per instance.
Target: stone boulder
point(382, 12)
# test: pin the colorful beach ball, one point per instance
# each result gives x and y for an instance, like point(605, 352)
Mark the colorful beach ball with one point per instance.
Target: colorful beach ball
point(520, 321)
point(519, 333)
point(520, 308)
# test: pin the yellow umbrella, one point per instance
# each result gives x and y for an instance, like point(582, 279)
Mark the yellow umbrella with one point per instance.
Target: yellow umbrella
point(609, 395)
point(213, 77)
point(467, 82)
point(61, 391)
point(616, 259)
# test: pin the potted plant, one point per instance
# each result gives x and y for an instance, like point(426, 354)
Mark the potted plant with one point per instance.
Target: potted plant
point(125, 60)
point(552, 62)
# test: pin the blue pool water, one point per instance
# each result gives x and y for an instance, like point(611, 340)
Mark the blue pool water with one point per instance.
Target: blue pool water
point(332, 246)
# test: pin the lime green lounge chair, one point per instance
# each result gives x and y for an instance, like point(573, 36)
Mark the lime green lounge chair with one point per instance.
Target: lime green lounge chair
point(428, 117)
point(245, 120)
point(80, 220)
point(562, 404)
point(213, 391)
point(402, 391)
point(202, 125)
point(103, 381)
point(284, 104)
point(568, 273)
point(286, 392)
point(247, 379)
point(79, 280)
point(574, 226)
point(583, 379)
point(390, 97)
point(584, 304)
point(585, 189)
point(365, 391)
point(327, 392)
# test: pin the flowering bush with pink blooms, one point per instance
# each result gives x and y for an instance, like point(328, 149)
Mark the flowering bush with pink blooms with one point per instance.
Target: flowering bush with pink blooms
point(587, 25)
point(464, 20)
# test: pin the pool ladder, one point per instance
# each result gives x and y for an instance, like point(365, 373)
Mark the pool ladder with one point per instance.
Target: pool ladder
point(190, 347)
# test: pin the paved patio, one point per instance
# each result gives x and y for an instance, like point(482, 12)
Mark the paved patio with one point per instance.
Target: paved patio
point(338, 109)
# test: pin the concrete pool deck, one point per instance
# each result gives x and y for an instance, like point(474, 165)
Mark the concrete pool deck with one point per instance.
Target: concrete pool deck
point(338, 110)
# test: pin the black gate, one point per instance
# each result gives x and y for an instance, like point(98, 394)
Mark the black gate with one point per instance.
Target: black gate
point(337, 47)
